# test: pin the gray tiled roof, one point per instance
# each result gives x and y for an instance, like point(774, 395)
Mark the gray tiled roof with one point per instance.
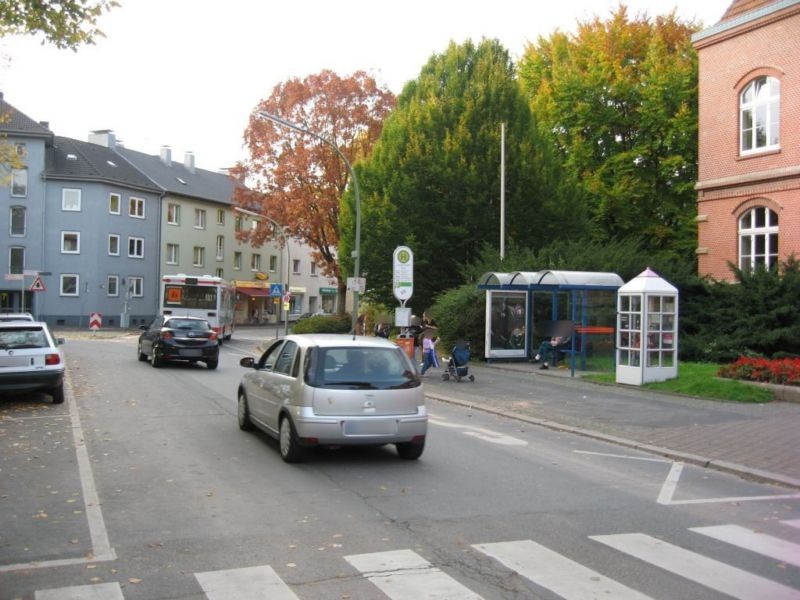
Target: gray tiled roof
point(177, 179)
point(76, 160)
point(18, 123)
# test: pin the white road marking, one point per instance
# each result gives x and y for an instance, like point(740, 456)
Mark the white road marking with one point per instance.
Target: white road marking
point(644, 458)
point(736, 499)
point(486, 435)
point(405, 575)
point(100, 591)
point(101, 547)
point(250, 583)
point(695, 567)
point(792, 523)
point(754, 541)
point(555, 572)
point(670, 484)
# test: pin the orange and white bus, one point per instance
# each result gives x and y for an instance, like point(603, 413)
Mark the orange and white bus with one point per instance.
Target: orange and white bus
point(210, 298)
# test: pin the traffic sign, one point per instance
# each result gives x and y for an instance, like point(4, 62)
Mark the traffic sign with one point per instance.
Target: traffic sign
point(95, 321)
point(38, 285)
point(276, 290)
point(14, 276)
point(403, 273)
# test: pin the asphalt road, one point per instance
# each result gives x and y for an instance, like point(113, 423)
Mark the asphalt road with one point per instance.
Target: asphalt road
point(141, 486)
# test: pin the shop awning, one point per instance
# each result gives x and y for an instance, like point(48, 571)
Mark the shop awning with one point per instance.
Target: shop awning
point(253, 292)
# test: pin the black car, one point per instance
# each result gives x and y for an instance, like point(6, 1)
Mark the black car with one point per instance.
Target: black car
point(170, 338)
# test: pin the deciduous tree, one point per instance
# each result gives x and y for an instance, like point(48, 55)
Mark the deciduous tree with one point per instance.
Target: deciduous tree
point(295, 178)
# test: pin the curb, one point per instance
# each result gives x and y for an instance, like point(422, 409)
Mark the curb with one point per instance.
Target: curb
point(749, 473)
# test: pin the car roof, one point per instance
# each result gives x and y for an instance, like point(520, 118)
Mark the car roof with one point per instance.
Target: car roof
point(22, 324)
point(16, 316)
point(332, 340)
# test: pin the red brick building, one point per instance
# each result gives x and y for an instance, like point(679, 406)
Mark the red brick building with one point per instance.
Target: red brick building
point(748, 206)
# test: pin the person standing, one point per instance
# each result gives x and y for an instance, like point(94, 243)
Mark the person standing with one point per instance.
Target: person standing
point(429, 358)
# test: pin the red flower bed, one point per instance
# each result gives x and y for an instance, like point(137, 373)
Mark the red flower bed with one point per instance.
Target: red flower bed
point(784, 371)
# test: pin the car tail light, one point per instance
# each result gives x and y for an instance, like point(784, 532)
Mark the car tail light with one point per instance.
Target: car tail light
point(166, 335)
point(52, 359)
point(214, 334)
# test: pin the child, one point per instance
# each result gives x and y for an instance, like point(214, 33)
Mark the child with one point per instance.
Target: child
point(429, 353)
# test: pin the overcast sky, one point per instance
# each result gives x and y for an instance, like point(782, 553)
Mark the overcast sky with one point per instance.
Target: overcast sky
point(186, 73)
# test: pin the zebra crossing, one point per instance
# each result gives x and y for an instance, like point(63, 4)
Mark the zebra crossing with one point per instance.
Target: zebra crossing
point(405, 575)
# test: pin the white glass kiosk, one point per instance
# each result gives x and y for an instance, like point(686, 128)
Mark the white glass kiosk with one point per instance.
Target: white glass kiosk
point(647, 330)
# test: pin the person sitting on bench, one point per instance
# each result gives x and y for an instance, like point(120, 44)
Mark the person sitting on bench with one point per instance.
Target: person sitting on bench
point(549, 347)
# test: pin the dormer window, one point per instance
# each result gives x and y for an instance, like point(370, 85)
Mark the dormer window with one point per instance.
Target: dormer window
point(759, 115)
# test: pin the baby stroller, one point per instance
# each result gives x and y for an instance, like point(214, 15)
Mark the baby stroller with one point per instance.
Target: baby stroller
point(457, 364)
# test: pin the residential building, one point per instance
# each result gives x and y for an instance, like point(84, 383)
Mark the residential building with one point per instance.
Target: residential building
point(749, 137)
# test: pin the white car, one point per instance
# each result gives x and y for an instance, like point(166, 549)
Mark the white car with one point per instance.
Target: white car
point(30, 359)
point(323, 389)
point(24, 316)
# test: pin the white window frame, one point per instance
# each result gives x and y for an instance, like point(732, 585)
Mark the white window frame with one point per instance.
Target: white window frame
point(220, 273)
point(750, 234)
point(238, 222)
point(313, 269)
point(24, 212)
point(764, 109)
point(220, 247)
point(71, 204)
point(19, 183)
point(199, 218)
point(138, 247)
point(77, 235)
point(255, 262)
point(295, 266)
point(11, 250)
point(273, 263)
point(199, 256)
point(136, 286)
point(220, 216)
point(111, 197)
point(237, 261)
point(113, 236)
point(62, 280)
point(136, 207)
point(112, 280)
point(173, 254)
point(173, 214)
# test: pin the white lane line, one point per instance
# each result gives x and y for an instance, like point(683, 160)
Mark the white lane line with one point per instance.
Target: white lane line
point(486, 435)
point(643, 458)
point(101, 547)
point(555, 572)
point(754, 541)
point(405, 575)
point(736, 499)
point(792, 523)
point(100, 591)
point(695, 567)
point(250, 583)
point(670, 484)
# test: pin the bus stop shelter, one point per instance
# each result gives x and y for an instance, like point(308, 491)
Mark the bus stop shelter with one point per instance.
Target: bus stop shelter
point(524, 308)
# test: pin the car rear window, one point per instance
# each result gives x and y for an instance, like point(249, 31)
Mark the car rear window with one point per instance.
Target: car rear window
point(20, 338)
point(188, 324)
point(369, 368)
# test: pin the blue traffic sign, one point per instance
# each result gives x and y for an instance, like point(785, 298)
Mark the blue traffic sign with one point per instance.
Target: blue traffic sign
point(275, 290)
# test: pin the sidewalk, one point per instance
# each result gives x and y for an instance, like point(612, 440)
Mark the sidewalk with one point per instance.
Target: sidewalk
point(756, 441)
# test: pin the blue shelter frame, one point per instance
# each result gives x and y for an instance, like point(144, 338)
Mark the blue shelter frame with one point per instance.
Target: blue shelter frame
point(525, 307)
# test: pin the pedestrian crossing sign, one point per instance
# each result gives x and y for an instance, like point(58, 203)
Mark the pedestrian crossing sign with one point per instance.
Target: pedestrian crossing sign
point(38, 285)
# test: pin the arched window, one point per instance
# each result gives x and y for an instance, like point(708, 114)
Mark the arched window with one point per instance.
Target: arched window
point(759, 115)
point(758, 238)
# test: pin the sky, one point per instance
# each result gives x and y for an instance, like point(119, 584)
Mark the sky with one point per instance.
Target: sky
point(187, 73)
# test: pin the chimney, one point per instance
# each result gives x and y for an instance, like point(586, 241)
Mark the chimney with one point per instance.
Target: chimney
point(166, 155)
point(103, 137)
point(45, 124)
point(188, 161)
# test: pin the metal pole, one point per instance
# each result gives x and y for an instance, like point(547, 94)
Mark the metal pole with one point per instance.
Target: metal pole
point(357, 251)
point(502, 191)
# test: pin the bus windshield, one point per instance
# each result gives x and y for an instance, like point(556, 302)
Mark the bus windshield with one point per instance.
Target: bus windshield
point(190, 296)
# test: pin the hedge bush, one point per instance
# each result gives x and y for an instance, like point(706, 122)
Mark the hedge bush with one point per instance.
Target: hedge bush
point(785, 371)
point(324, 324)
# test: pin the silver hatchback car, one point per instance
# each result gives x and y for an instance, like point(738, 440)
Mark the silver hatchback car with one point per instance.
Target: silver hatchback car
point(323, 389)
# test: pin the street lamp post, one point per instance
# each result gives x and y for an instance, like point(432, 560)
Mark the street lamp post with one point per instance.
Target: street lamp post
point(277, 225)
point(357, 251)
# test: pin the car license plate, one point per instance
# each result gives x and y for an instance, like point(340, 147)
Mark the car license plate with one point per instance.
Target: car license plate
point(192, 352)
point(15, 361)
point(370, 427)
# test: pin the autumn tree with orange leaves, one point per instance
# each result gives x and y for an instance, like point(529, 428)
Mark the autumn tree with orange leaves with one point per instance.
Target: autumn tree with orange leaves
point(298, 180)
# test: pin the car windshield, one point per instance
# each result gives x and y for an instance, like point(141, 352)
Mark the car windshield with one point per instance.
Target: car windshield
point(187, 324)
point(19, 338)
point(361, 368)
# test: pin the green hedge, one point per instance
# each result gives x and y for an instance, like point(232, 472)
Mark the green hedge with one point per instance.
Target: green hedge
point(324, 324)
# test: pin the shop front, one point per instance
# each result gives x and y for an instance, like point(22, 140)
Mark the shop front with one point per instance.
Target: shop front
point(254, 306)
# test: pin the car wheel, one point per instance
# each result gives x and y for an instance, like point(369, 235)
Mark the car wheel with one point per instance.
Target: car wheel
point(410, 450)
point(243, 413)
point(212, 364)
point(291, 451)
point(154, 358)
point(58, 394)
point(142, 355)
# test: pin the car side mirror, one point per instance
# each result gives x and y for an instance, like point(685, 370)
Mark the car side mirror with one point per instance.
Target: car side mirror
point(248, 362)
point(144, 327)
